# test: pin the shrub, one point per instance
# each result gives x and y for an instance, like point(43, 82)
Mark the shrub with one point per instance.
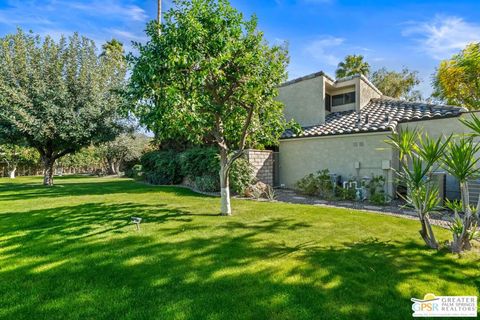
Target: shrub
point(161, 167)
point(376, 190)
point(134, 172)
point(241, 175)
point(199, 161)
point(317, 184)
point(326, 188)
point(207, 183)
point(308, 185)
point(348, 193)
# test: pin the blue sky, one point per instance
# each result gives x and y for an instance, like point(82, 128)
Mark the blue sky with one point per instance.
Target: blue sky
point(416, 34)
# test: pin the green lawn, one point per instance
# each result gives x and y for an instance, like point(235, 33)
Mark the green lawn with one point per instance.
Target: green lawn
point(70, 252)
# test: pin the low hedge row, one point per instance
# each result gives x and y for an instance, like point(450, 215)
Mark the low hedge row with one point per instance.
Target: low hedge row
point(200, 165)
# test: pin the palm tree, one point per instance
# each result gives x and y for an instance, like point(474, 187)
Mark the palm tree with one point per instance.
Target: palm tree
point(352, 65)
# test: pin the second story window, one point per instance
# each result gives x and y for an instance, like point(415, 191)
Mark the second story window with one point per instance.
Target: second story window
point(344, 98)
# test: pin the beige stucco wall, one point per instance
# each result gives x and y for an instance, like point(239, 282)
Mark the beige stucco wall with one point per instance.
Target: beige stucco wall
point(438, 127)
point(365, 93)
point(299, 157)
point(304, 101)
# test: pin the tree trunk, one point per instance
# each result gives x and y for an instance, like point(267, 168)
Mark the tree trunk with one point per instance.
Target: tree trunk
point(462, 242)
point(12, 171)
point(427, 232)
point(48, 171)
point(226, 209)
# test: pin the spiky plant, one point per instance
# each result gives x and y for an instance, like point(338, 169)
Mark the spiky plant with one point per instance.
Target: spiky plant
point(419, 155)
point(461, 162)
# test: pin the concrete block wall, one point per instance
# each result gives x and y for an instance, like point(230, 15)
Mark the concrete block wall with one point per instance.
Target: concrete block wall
point(262, 163)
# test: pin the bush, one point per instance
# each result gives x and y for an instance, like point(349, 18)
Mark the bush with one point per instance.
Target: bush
point(207, 183)
point(241, 175)
point(317, 184)
point(199, 161)
point(308, 185)
point(161, 167)
point(376, 190)
point(201, 165)
point(203, 162)
point(134, 172)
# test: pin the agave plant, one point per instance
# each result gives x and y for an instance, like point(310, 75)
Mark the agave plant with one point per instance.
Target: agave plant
point(460, 161)
point(423, 154)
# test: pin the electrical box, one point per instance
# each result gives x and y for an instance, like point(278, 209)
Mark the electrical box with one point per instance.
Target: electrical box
point(356, 164)
point(386, 164)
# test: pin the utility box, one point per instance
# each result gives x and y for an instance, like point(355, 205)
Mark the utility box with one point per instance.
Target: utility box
point(356, 164)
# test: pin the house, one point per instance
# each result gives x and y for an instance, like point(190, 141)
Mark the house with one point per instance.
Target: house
point(345, 123)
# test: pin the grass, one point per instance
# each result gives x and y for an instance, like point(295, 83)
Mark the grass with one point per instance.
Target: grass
point(70, 252)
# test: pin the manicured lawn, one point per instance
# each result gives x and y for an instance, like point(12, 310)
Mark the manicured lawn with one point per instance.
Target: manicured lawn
point(70, 252)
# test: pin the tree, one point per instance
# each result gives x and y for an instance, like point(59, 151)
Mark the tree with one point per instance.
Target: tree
point(397, 85)
point(210, 74)
point(352, 65)
point(457, 80)
point(13, 155)
point(124, 148)
point(59, 96)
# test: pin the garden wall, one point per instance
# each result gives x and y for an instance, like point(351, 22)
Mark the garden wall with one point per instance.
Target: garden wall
point(262, 163)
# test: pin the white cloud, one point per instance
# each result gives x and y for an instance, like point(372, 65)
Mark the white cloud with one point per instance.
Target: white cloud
point(443, 36)
point(110, 8)
point(321, 49)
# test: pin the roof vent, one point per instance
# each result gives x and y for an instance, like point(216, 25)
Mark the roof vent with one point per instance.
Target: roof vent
point(359, 118)
point(387, 117)
point(366, 118)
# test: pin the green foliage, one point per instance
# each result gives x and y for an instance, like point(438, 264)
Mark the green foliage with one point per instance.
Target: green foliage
point(207, 183)
point(161, 167)
point(397, 85)
point(308, 185)
point(208, 65)
point(200, 165)
point(127, 147)
point(352, 65)
point(198, 161)
point(135, 172)
point(317, 184)
point(456, 80)
point(59, 96)
point(460, 158)
point(347, 193)
point(376, 189)
point(241, 175)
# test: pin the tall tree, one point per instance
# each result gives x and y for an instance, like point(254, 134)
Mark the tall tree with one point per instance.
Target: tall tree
point(59, 96)
point(126, 147)
point(397, 85)
point(352, 65)
point(457, 80)
point(210, 73)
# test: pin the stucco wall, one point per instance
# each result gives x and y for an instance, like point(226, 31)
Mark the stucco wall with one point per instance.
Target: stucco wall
point(304, 101)
point(365, 94)
point(299, 157)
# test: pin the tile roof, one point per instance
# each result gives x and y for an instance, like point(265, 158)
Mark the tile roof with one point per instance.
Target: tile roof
point(381, 114)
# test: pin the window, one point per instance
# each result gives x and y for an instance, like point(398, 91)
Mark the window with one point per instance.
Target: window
point(344, 98)
point(328, 102)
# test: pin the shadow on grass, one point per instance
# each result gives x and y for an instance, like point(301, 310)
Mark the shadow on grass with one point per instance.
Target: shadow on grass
point(59, 263)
